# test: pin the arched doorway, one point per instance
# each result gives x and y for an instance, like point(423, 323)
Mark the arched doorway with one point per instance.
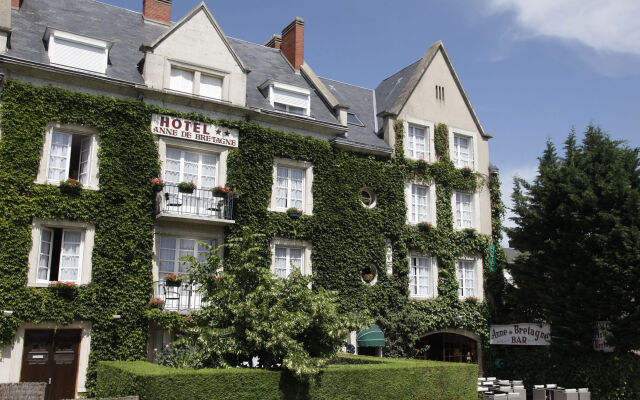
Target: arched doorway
point(451, 346)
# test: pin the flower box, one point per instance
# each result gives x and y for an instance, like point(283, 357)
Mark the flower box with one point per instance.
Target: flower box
point(424, 226)
point(158, 184)
point(156, 303)
point(466, 172)
point(421, 165)
point(221, 191)
point(70, 186)
point(470, 232)
point(294, 213)
point(64, 288)
point(174, 280)
point(186, 187)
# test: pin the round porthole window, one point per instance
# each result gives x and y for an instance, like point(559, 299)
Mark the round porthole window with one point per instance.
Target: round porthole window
point(367, 197)
point(369, 275)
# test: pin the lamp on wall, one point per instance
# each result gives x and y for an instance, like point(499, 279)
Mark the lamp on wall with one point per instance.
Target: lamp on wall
point(116, 316)
point(7, 313)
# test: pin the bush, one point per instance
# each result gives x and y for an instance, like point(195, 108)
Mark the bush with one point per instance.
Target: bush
point(351, 378)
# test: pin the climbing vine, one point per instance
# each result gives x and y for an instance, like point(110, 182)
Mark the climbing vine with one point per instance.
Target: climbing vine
point(345, 235)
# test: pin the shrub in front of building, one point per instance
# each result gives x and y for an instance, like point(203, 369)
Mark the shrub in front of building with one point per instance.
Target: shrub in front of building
point(350, 378)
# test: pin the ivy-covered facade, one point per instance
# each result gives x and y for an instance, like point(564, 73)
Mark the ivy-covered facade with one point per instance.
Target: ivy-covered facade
point(398, 205)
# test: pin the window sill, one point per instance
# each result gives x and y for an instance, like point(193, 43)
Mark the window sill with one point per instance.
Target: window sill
point(46, 284)
point(422, 298)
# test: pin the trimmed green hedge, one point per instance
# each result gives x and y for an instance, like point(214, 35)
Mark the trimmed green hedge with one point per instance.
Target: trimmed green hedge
point(354, 377)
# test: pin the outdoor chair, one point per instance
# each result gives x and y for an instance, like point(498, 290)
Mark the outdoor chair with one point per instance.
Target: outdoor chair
point(584, 394)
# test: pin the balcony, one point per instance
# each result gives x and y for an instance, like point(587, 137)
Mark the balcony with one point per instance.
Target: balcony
point(183, 299)
point(199, 206)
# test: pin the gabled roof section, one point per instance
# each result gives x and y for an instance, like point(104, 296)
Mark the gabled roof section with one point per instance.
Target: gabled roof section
point(392, 94)
point(200, 7)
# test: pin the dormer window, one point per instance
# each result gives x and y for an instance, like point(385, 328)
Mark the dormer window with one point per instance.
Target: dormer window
point(75, 51)
point(287, 98)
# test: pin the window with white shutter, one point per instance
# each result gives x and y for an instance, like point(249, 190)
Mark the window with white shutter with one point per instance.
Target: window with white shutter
point(211, 86)
point(181, 80)
point(70, 157)
point(78, 51)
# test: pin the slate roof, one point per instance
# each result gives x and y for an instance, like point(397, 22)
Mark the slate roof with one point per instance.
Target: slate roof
point(126, 29)
point(361, 102)
point(390, 89)
point(266, 64)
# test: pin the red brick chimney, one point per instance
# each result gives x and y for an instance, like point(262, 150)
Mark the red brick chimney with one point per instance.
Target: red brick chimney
point(293, 42)
point(274, 42)
point(16, 3)
point(156, 10)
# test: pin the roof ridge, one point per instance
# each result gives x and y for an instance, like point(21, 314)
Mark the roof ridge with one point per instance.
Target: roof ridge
point(345, 83)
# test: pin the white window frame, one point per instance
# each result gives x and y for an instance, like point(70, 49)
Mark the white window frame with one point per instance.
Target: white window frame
point(432, 274)
point(293, 244)
point(93, 172)
point(51, 35)
point(475, 210)
point(473, 136)
point(184, 145)
point(428, 126)
point(408, 195)
point(478, 283)
point(183, 230)
point(198, 71)
point(86, 249)
point(307, 195)
point(272, 86)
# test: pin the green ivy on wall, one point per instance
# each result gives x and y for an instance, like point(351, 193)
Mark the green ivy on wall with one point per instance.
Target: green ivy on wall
point(345, 235)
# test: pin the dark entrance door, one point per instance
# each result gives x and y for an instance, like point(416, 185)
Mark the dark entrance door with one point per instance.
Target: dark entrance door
point(448, 347)
point(52, 357)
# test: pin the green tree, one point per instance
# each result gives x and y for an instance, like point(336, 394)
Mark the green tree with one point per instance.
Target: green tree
point(250, 313)
point(578, 228)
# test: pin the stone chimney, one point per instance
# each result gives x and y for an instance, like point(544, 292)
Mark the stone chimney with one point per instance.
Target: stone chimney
point(293, 42)
point(274, 42)
point(16, 3)
point(156, 10)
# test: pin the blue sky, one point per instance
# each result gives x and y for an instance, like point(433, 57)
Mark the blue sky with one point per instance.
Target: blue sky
point(532, 69)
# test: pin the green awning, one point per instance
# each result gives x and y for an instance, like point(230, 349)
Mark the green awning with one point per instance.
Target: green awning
point(372, 337)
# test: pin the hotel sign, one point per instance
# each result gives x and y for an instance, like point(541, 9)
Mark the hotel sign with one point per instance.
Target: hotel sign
point(166, 125)
point(520, 335)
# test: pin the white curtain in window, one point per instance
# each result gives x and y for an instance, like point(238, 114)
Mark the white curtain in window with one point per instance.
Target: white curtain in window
point(70, 256)
point(46, 244)
point(418, 142)
point(85, 155)
point(173, 248)
point(77, 55)
point(420, 277)
point(466, 281)
point(59, 156)
point(464, 211)
point(186, 166)
point(210, 86)
point(463, 152)
point(289, 188)
point(287, 258)
point(181, 80)
point(419, 203)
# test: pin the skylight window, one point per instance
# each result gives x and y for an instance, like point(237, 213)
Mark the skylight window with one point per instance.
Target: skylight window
point(75, 51)
point(353, 119)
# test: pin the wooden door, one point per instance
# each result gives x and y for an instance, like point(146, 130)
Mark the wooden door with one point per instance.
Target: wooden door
point(52, 357)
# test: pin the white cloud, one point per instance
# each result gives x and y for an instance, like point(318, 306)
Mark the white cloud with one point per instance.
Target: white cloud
point(604, 25)
point(526, 172)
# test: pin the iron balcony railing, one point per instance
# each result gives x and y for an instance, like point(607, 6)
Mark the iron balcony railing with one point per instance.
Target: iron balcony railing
point(183, 298)
point(199, 203)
